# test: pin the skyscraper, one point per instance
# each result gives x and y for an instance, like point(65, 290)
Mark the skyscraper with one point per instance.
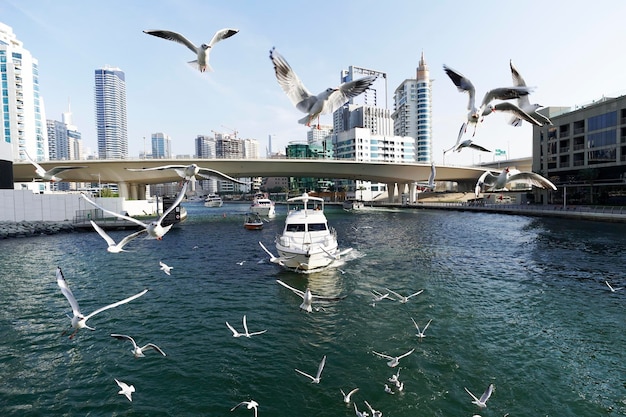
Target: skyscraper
point(413, 111)
point(110, 100)
point(161, 146)
point(23, 116)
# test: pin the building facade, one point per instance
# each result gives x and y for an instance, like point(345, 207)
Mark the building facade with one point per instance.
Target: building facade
point(161, 146)
point(584, 152)
point(413, 111)
point(110, 103)
point(23, 115)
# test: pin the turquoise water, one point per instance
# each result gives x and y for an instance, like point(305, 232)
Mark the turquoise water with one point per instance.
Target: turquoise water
point(515, 301)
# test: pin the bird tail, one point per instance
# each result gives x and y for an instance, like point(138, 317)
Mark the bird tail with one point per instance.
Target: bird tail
point(515, 121)
point(304, 120)
point(194, 64)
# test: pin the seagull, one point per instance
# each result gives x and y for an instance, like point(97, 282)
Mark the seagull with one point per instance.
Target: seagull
point(245, 328)
point(394, 378)
point(79, 320)
point(50, 175)
point(421, 334)
point(356, 229)
point(431, 178)
point(388, 390)
point(393, 361)
point(611, 288)
point(190, 172)
point(240, 263)
point(165, 268)
point(379, 297)
point(360, 413)
point(375, 413)
point(400, 386)
point(308, 297)
point(138, 351)
point(348, 396)
point(155, 228)
point(523, 102)
point(202, 52)
point(325, 102)
point(115, 247)
point(482, 401)
point(316, 379)
point(402, 298)
point(475, 115)
point(249, 405)
point(511, 176)
point(467, 143)
point(126, 389)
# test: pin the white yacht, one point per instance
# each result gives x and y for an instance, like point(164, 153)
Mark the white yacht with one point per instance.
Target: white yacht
point(262, 205)
point(213, 200)
point(307, 243)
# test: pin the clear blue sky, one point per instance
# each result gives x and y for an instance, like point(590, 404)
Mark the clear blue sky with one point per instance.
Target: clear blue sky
point(570, 51)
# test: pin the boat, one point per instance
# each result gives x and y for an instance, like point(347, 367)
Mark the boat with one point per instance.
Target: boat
point(353, 204)
point(262, 205)
point(307, 243)
point(213, 200)
point(253, 221)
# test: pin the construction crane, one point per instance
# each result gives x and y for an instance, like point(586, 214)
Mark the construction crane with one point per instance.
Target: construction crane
point(235, 131)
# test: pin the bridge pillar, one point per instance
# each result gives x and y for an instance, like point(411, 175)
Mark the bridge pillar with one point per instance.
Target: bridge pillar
point(412, 192)
point(133, 191)
point(391, 192)
point(141, 191)
point(122, 189)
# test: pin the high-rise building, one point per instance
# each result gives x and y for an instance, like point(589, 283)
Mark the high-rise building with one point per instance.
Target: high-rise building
point(161, 146)
point(23, 116)
point(110, 101)
point(413, 111)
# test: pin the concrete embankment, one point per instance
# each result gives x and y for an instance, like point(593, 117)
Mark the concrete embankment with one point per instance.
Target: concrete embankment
point(33, 228)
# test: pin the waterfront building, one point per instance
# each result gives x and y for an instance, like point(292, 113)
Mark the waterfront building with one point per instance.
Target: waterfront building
point(161, 146)
point(110, 103)
point(23, 114)
point(583, 152)
point(413, 111)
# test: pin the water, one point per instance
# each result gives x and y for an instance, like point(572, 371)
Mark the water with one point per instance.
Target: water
point(515, 301)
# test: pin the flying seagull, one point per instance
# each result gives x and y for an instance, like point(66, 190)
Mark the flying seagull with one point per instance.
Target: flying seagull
point(373, 413)
point(190, 172)
point(611, 287)
point(510, 176)
point(126, 389)
point(482, 401)
point(308, 297)
point(50, 175)
point(138, 351)
point(393, 361)
point(325, 102)
point(78, 319)
point(467, 143)
point(165, 268)
point(245, 329)
point(402, 298)
point(202, 52)
point(475, 114)
point(316, 379)
point(249, 405)
point(420, 333)
point(524, 103)
point(115, 247)
point(347, 397)
point(155, 228)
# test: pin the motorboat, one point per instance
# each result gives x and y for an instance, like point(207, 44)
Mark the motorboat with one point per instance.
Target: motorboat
point(353, 204)
point(213, 200)
point(253, 221)
point(307, 243)
point(262, 205)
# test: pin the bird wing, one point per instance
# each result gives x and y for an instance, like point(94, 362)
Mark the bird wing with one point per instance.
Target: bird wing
point(155, 347)
point(487, 178)
point(232, 329)
point(174, 37)
point(130, 237)
point(346, 91)
point(157, 168)
point(245, 325)
point(304, 373)
point(478, 147)
point(56, 170)
point(520, 82)
point(486, 394)
point(238, 405)
point(65, 289)
point(222, 34)
point(427, 324)
point(416, 326)
point(531, 178)
point(289, 81)
point(321, 367)
point(124, 301)
point(504, 93)
point(382, 355)
point(219, 174)
point(181, 195)
point(256, 333)
point(509, 107)
point(38, 167)
point(431, 177)
point(124, 337)
point(112, 213)
point(415, 293)
point(472, 395)
point(463, 84)
point(395, 293)
point(406, 354)
point(103, 234)
point(300, 293)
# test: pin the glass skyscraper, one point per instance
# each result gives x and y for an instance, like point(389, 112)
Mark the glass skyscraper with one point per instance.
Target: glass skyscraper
point(110, 101)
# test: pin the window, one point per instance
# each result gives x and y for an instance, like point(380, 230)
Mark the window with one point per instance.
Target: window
point(317, 227)
point(602, 121)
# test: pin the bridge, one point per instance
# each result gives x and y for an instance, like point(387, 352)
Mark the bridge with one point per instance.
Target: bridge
point(130, 182)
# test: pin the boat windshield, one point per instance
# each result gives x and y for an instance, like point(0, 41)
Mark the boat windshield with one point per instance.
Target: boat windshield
point(295, 227)
point(317, 227)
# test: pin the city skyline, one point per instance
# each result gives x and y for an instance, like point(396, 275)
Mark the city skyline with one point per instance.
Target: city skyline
point(167, 95)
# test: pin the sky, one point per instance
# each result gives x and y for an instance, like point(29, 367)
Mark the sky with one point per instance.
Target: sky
point(570, 52)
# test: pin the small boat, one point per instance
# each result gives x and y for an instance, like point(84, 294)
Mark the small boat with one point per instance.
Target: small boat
point(353, 204)
point(253, 221)
point(213, 200)
point(262, 205)
point(307, 243)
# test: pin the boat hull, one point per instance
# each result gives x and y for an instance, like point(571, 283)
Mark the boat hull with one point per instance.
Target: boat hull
point(314, 259)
